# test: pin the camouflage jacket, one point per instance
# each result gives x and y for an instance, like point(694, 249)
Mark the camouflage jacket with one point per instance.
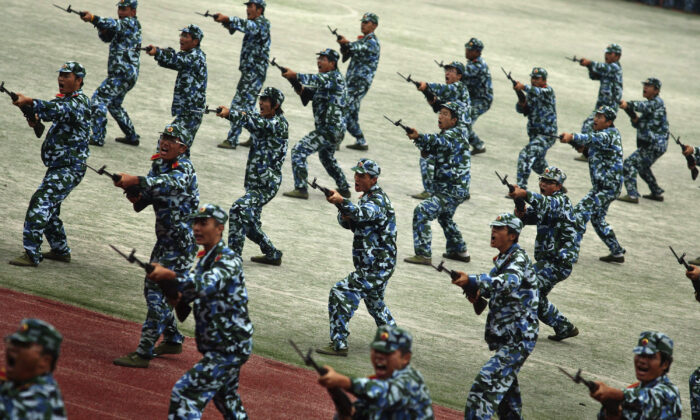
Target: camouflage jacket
point(696, 155)
point(38, 399)
point(478, 80)
point(329, 101)
point(452, 160)
point(191, 84)
point(557, 226)
point(363, 65)
point(255, 51)
point(66, 143)
point(542, 118)
point(610, 76)
point(454, 92)
point(373, 221)
point(511, 288)
point(124, 39)
point(659, 400)
point(604, 157)
point(217, 288)
point(652, 126)
point(404, 396)
point(269, 148)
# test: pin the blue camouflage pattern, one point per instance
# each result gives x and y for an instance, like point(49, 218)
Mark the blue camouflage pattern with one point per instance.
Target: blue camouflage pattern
point(610, 91)
point(658, 399)
point(38, 399)
point(694, 387)
point(373, 222)
point(359, 76)
point(541, 129)
point(477, 77)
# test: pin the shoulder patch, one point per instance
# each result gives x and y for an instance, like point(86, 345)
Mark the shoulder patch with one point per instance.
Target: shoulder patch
point(156, 156)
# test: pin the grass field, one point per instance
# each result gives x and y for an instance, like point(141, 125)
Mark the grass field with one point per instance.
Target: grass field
point(610, 304)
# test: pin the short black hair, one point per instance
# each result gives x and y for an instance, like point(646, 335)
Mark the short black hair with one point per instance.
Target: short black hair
point(514, 232)
point(666, 358)
point(273, 102)
point(453, 114)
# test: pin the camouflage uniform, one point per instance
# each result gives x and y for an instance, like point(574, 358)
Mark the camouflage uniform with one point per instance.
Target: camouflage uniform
point(652, 142)
point(610, 91)
point(262, 180)
point(605, 166)
point(511, 330)
point(329, 106)
point(124, 37)
point(694, 385)
point(696, 155)
point(363, 65)
point(223, 332)
point(478, 80)
point(451, 188)
point(64, 152)
point(38, 399)
point(403, 396)
point(254, 59)
point(541, 129)
point(172, 189)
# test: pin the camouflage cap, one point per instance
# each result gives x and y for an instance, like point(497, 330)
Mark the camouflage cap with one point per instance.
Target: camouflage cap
point(653, 81)
point(454, 107)
point(274, 94)
point(456, 65)
point(508, 220)
point(388, 339)
point(613, 48)
point(370, 17)
point(32, 330)
point(539, 72)
point(651, 342)
point(73, 67)
point(367, 166)
point(609, 112)
point(194, 31)
point(474, 44)
point(330, 53)
point(206, 211)
point(260, 3)
point(128, 3)
point(555, 174)
point(178, 131)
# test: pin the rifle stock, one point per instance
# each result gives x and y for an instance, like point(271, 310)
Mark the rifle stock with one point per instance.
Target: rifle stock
point(690, 160)
point(429, 95)
point(519, 202)
point(306, 94)
point(522, 100)
point(27, 111)
point(480, 304)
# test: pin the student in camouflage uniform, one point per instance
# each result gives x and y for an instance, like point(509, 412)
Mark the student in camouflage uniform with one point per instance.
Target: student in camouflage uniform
point(605, 165)
point(171, 187)
point(190, 95)
point(223, 331)
point(511, 325)
point(329, 106)
point(358, 78)
point(478, 80)
point(29, 390)
point(452, 175)
point(64, 153)
point(373, 222)
point(453, 90)
point(541, 113)
point(556, 247)
point(609, 73)
point(654, 396)
point(652, 142)
point(269, 131)
point(124, 37)
point(396, 390)
point(253, 62)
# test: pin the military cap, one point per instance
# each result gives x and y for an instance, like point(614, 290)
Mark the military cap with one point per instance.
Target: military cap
point(194, 31)
point(652, 342)
point(452, 106)
point(370, 17)
point(128, 3)
point(330, 53)
point(260, 3)
point(508, 220)
point(474, 44)
point(613, 48)
point(274, 94)
point(388, 339)
point(538, 72)
point(367, 166)
point(653, 81)
point(555, 174)
point(609, 113)
point(457, 66)
point(73, 67)
point(180, 132)
point(32, 330)
point(206, 211)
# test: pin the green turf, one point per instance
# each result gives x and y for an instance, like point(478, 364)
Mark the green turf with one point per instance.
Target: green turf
point(610, 304)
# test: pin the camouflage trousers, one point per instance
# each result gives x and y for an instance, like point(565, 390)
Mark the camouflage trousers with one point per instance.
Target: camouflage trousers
point(249, 86)
point(477, 108)
point(244, 221)
point(694, 386)
point(532, 158)
point(45, 207)
point(442, 207)
point(496, 389)
point(641, 161)
point(593, 207)
point(214, 376)
point(324, 144)
point(548, 274)
point(356, 92)
point(344, 299)
point(191, 121)
point(109, 97)
point(427, 171)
